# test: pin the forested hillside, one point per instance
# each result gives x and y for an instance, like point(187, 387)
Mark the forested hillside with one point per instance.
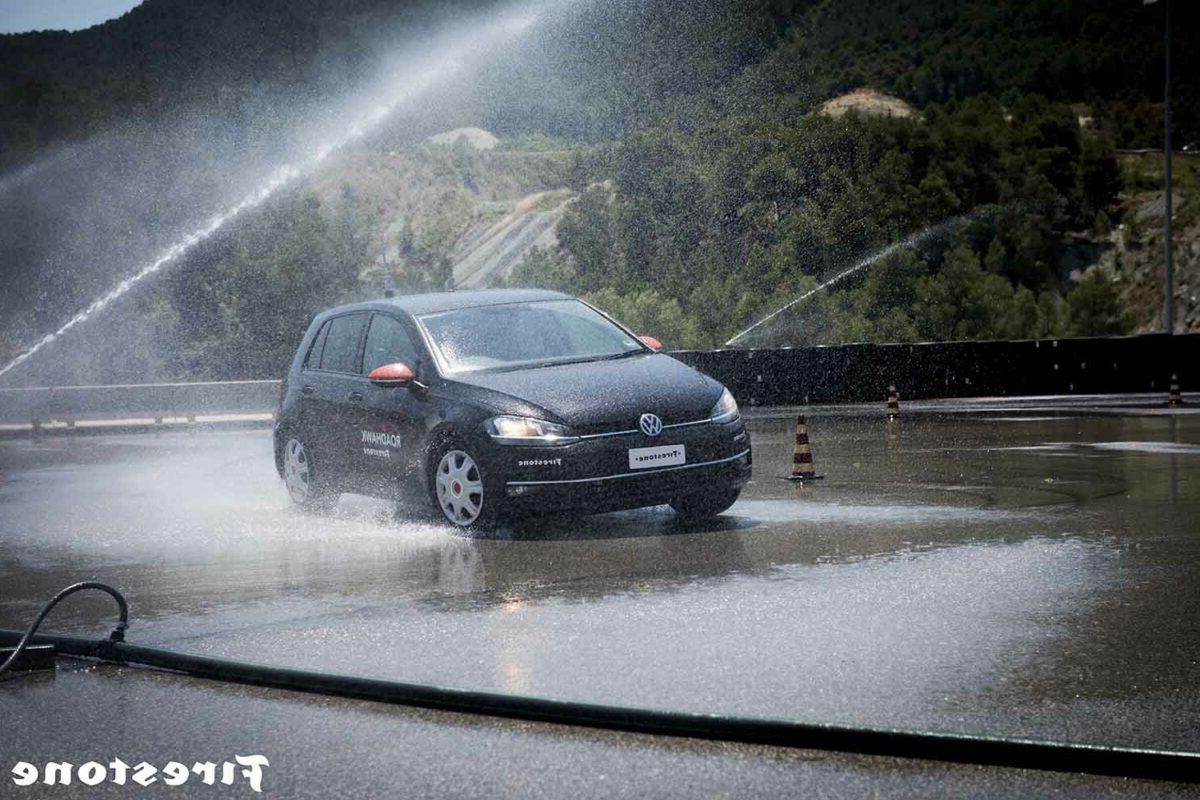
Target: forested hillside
point(751, 213)
point(1106, 53)
point(724, 211)
point(702, 187)
point(235, 60)
point(256, 65)
point(692, 60)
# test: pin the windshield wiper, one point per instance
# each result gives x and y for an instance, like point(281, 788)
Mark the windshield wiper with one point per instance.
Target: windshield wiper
point(625, 354)
point(587, 359)
point(557, 362)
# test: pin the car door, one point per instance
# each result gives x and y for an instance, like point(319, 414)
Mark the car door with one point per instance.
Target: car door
point(390, 430)
point(332, 393)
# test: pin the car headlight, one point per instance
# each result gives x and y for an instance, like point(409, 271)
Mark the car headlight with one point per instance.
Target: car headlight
point(526, 430)
point(726, 409)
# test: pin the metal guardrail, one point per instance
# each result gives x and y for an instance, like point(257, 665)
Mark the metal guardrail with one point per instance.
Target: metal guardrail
point(153, 402)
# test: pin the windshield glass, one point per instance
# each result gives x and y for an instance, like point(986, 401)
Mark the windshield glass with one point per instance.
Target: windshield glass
point(524, 334)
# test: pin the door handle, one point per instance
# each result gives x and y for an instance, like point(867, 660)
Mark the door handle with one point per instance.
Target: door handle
point(355, 396)
point(308, 390)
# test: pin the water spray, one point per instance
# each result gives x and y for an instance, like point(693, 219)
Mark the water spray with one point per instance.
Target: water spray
point(416, 82)
point(910, 241)
point(281, 176)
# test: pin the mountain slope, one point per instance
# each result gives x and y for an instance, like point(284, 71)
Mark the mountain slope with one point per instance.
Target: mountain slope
point(693, 175)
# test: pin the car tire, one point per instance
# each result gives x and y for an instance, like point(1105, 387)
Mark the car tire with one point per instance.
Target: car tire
point(704, 505)
point(461, 490)
point(306, 486)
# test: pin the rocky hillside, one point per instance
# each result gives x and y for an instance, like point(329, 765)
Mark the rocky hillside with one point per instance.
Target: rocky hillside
point(866, 101)
point(459, 209)
point(1134, 250)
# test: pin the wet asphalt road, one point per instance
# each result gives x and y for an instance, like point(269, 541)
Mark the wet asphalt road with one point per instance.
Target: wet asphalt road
point(1020, 572)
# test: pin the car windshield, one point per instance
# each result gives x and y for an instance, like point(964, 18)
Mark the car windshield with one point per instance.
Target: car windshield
point(515, 335)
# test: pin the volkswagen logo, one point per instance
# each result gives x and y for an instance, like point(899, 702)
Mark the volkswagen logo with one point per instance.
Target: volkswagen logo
point(650, 424)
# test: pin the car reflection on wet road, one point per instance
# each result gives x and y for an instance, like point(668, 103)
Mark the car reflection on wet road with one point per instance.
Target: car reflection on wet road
point(1002, 572)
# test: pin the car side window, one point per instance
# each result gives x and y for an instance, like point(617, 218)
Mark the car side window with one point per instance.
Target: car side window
point(313, 359)
point(340, 353)
point(387, 343)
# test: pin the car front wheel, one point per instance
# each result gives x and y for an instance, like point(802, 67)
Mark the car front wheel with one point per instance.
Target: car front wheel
point(460, 488)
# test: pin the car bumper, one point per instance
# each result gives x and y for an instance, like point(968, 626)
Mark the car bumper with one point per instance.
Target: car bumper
point(595, 475)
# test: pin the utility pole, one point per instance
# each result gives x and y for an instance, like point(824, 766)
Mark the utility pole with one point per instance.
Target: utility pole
point(1168, 267)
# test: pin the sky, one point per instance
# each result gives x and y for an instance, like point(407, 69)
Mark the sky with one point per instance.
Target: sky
point(17, 16)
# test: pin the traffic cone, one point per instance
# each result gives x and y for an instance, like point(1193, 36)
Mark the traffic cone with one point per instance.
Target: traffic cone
point(893, 402)
point(802, 460)
point(1174, 396)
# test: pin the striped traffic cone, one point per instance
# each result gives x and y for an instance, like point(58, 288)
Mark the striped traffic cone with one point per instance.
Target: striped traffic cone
point(802, 460)
point(1174, 396)
point(893, 402)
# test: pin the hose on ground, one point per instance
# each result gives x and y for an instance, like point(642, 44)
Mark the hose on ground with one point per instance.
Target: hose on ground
point(117, 635)
point(896, 742)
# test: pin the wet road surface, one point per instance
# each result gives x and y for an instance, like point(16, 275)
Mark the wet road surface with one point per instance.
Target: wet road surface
point(1024, 571)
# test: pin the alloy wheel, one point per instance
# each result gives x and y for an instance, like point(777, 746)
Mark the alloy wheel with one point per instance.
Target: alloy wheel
point(296, 471)
point(459, 488)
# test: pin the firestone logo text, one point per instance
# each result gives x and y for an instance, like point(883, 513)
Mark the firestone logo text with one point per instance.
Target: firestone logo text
point(119, 773)
point(540, 462)
point(643, 458)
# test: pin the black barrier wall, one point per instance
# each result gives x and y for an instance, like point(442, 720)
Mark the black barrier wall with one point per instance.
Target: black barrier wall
point(862, 372)
point(783, 376)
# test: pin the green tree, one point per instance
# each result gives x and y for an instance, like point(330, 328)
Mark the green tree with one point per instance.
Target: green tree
point(894, 325)
point(1022, 322)
point(544, 268)
point(996, 259)
point(963, 301)
point(1094, 308)
point(648, 312)
point(589, 233)
point(243, 313)
point(1051, 316)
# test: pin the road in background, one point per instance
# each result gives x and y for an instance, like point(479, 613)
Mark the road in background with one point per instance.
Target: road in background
point(983, 568)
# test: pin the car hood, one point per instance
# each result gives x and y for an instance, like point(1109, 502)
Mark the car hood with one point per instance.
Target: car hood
point(602, 396)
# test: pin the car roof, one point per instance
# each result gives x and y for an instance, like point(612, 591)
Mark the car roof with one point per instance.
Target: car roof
point(417, 304)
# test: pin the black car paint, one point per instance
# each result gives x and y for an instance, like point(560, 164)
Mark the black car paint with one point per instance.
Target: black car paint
point(331, 411)
point(629, 386)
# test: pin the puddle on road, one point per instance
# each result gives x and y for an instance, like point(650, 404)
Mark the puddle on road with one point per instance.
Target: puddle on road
point(1078, 448)
point(1167, 448)
point(902, 636)
point(1028, 419)
point(802, 511)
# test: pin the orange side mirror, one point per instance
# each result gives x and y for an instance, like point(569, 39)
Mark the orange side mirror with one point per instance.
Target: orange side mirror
point(397, 374)
point(651, 342)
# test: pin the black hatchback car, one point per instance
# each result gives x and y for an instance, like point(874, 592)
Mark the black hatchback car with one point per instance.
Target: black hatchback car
point(494, 403)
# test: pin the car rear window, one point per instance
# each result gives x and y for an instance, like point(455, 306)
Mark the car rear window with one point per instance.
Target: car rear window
point(313, 359)
point(340, 353)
